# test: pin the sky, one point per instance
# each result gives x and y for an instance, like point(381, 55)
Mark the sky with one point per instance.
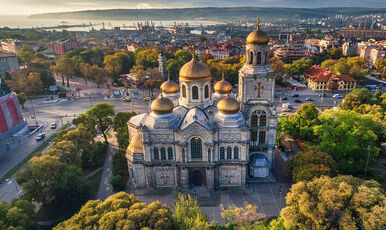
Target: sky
point(26, 7)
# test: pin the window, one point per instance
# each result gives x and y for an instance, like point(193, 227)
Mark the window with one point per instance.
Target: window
point(262, 137)
point(229, 153)
point(196, 148)
point(155, 152)
point(250, 57)
point(222, 153)
point(258, 58)
point(254, 119)
point(194, 92)
point(184, 91)
point(266, 58)
point(236, 152)
point(253, 135)
point(170, 153)
point(263, 120)
point(206, 91)
point(163, 154)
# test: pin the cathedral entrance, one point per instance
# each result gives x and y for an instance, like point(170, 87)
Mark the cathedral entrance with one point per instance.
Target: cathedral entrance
point(197, 177)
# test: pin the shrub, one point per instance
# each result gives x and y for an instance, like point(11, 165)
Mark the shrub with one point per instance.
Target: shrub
point(118, 183)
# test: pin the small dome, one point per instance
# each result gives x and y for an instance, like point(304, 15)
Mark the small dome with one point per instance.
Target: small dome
point(162, 105)
point(136, 145)
point(194, 70)
point(169, 87)
point(258, 37)
point(222, 87)
point(228, 106)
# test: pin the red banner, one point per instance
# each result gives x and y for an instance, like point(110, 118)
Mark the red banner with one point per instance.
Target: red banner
point(13, 112)
point(3, 122)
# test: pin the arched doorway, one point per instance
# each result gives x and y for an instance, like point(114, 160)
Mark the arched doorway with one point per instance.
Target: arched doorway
point(197, 178)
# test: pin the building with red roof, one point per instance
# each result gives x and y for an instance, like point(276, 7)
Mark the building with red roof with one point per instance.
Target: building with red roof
point(320, 79)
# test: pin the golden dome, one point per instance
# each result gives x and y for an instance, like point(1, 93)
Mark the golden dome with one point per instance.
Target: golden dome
point(228, 105)
point(136, 145)
point(169, 87)
point(162, 105)
point(222, 87)
point(194, 70)
point(258, 37)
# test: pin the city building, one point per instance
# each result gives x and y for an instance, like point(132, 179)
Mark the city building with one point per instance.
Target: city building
point(292, 52)
point(62, 46)
point(8, 62)
point(192, 137)
point(11, 119)
point(349, 48)
point(375, 54)
point(320, 79)
point(364, 33)
point(11, 45)
point(162, 65)
point(326, 44)
point(220, 54)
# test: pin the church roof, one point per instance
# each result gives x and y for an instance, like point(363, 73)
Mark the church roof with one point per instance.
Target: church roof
point(195, 115)
point(138, 119)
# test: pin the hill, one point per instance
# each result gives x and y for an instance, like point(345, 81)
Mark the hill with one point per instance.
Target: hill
point(211, 13)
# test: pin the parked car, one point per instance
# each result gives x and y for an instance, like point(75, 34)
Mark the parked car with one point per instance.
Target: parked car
point(298, 101)
point(295, 95)
point(309, 99)
point(126, 99)
point(284, 98)
point(147, 98)
point(40, 137)
point(287, 110)
point(337, 96)
point(53, 126)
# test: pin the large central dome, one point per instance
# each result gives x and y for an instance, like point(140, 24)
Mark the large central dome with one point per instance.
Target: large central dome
point(194, 70)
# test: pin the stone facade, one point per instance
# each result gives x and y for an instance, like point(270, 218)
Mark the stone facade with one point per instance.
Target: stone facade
point(197, 143)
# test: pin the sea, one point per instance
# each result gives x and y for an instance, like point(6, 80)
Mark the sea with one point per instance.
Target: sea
point(24, 22)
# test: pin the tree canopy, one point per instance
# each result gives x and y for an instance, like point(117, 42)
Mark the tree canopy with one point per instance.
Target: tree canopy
point(342, 202)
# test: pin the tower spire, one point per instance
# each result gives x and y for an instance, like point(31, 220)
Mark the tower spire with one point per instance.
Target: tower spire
point(258, 23)
point(223, 76)
point(168, 76)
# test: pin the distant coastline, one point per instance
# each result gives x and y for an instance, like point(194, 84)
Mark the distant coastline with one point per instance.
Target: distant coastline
point(210, 13)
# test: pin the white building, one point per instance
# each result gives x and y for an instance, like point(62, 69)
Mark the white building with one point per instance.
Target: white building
point(8, 62)
point(192, 137)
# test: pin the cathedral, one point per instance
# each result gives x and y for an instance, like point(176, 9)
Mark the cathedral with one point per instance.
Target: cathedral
point(193, 137)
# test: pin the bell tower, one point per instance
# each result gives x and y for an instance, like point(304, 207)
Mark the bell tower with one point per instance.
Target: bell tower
point(256, 90)
point(256, 78)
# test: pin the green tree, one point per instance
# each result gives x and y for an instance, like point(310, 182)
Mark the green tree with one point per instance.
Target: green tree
point(66, 151)
point(39, 178)
point(342, 202)
point(308, 164)
point(242, 217)
point(120, 127)
point(329, 64)
point(102, 114)
point(335, 53)
point(380, 65)
point(118, 183)
point(25, 55)
point(147, 57)
point(113, 65)
point(81, 137)
point(120, 211)
point(20, 214)
point(350, 138)
point(188, 214)
point(65, 68)
point(278, 66)
point(301, 124)
point(22, 98)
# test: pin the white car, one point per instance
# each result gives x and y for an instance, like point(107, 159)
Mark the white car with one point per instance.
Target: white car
point(337, 96)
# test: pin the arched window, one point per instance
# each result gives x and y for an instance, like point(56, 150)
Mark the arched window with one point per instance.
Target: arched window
point(236, 152)
point(229, 153)
point(163, 154)
point(250, 58)
point(196, 148)
point(206, 91)
point(258, 58)
point(266, 58)
point(254, 120)
point(261, 137)
point(170, 153)
point(183, 91)
point(253, 135)
point(155, 153)
point(194, 92)
point(263, 120)
point(222, 153)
